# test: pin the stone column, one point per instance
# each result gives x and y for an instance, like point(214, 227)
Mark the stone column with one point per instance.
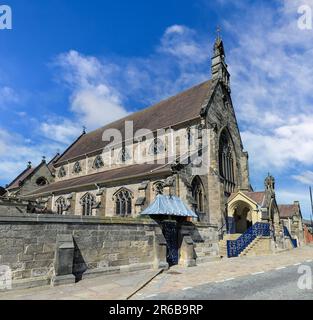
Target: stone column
point(160, 249)
point(187, 257)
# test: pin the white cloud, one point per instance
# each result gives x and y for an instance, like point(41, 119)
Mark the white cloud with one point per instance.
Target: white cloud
point(61, 130)
point(97, 105)
point(16, 151)
point(100, 87)
point(8, 94)
point(288, 196)
point(272, 84)
point(283, 145)
point(183, 43)
point(93, 101)
point(305, 177)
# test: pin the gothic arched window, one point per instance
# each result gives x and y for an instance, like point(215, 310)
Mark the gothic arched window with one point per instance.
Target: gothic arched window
point(62, 172)
point(124, 155)
point(77, 167)
point(156, 147)
point(98, 163)
point(190, 137)
point(60, 205)
point(123, 203)
point(226, 162)
point(198, 194)
point(88, 201)
point(158, 187)
point(41, 181)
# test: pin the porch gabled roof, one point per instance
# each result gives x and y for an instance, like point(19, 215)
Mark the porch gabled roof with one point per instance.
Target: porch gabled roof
point(170, 206)
point(256, 197)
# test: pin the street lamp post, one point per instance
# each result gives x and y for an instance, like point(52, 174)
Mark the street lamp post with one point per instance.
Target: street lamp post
point(311, 209)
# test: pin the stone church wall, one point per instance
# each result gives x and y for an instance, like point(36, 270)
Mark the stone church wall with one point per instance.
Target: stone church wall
point(28, 245)
point(177, 142)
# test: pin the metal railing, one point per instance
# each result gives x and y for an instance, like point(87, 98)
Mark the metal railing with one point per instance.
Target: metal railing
point(287, 234)
point(236, 247)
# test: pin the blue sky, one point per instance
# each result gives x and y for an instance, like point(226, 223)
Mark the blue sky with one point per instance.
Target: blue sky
point(71, 63)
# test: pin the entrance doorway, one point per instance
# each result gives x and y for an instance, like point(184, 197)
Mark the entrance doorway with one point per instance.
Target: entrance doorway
point(170, 232)
point(242, 219)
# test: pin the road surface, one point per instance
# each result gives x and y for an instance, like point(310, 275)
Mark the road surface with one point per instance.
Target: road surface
point(278, 284)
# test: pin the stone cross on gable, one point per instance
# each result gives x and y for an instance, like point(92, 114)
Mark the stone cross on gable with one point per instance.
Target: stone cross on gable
point(218, 32)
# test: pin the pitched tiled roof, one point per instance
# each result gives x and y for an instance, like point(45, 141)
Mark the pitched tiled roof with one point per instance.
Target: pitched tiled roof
point(177, 109)
point(102, 177)
point(20, 178)
point(29, 171)
point(257, 197)
point(288, 210)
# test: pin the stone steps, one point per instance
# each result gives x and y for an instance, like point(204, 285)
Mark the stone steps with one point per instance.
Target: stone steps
point(260, 246)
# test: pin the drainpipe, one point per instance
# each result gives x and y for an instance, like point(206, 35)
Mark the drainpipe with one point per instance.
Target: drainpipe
point(52, 205)
point(98, 188)
point(177, 187)
point(68, 169)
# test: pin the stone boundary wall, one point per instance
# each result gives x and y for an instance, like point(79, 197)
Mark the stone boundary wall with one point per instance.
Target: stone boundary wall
point(205, 239)
point(28, 245)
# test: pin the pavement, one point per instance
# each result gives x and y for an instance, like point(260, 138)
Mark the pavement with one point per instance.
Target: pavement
point(109, 287)
point(259, 277)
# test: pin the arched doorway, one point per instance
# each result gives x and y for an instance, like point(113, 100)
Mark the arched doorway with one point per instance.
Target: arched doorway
point(242, 220)
point(240, 217)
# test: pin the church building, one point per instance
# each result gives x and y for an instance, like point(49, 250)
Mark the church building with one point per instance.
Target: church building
point(187, 149)
point(166, 185)
point(208, 165)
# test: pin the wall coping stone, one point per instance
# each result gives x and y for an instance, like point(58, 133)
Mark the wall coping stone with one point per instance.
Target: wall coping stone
point(205, 225)
point(46, 218)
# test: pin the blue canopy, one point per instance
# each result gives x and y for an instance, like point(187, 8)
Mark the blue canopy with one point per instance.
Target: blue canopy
point(168, 205)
